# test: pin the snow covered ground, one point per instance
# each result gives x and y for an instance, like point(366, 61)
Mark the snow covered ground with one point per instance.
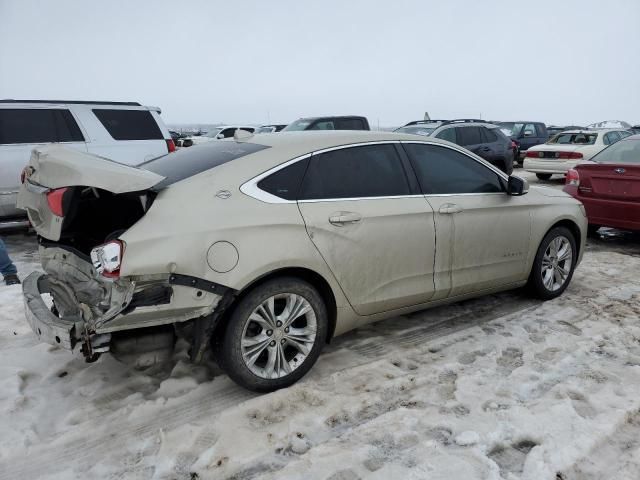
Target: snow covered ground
point(499, 387)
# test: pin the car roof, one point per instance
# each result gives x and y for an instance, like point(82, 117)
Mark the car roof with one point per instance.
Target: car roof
point(72, 102)
point(308, 141)
point(594, 130)
point(330, 116)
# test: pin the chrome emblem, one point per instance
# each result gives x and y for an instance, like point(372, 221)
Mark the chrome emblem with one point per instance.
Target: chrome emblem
point(619, 170)
point(223, 194)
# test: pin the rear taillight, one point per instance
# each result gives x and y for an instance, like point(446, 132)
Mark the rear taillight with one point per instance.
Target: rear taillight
point(107, 258)
point(569, 155)
point(559, 155)
point(171, 145)
point(54, 199)
point(573, 178)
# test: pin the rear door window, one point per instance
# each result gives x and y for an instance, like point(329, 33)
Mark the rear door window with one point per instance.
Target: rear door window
point(530, 130)
point(38, 125)
point(448, 134)
point(488, 135)
point(355, 172)
point(469, 136)
point(442, 170)
point(349, 124)
point(129, 124)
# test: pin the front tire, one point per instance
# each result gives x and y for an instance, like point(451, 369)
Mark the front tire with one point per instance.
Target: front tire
point(274, 335)
point(543, 176)
point(554, 264)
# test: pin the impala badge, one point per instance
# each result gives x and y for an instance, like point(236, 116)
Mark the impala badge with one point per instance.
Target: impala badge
point(223, 194)
point(619, 170)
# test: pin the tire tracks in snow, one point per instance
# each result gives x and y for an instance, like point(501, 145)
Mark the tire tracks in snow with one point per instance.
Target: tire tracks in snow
point(105, 437)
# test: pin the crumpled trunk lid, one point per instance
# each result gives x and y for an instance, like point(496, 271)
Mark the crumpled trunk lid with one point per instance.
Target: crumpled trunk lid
point(55, 167)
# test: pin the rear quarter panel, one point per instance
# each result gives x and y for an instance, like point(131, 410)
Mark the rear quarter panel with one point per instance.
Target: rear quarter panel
point(176, 235)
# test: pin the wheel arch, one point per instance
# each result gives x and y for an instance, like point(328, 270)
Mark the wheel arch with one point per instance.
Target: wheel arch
point(308, 275)
point(572, 227)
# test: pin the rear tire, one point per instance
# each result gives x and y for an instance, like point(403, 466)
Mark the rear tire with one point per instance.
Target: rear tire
point(275, 334)
point(554, 264)
point(543, 176)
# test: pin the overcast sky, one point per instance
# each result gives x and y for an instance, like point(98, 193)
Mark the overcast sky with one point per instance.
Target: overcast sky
point(561, 62)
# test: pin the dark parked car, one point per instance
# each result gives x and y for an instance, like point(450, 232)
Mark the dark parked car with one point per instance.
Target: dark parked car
point(328, 123)
point(525, 134)
point(609, 186)
point(482, 138)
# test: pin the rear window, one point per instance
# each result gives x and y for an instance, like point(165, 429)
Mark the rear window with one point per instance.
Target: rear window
point(574, 138)
point(190, 161)
point(624, 152)
point(129, 124)
point(38, 125)
point(349, 124)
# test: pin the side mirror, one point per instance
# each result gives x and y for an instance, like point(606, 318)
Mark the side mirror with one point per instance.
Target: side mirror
point(517, 186)
point(220, 136)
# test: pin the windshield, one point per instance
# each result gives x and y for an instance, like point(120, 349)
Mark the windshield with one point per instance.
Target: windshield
point(510, 129)
point(416, 130)
point(574, 139)
point(624, 151)
point(213, 133)
point(298, 125)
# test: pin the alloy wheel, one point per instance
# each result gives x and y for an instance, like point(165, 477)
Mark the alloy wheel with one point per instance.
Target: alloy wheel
point(556, 263)
point(278, 335)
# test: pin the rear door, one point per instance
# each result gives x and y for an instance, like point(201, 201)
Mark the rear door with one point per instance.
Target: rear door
point(22, 129)
point(375, 234)
point(482, 233)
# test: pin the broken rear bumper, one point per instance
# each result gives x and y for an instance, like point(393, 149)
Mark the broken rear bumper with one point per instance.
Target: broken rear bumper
point(48, 327)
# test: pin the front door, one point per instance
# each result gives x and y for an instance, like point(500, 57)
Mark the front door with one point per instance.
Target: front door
point(482, 233)
point(377, 237)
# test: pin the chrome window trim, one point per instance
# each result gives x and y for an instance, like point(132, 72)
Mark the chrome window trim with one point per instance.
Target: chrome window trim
point(250, 187)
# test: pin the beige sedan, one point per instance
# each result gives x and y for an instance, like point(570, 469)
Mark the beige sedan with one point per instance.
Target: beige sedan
point(265, 247)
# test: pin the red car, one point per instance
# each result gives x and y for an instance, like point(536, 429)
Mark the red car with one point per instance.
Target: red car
point(609, 186)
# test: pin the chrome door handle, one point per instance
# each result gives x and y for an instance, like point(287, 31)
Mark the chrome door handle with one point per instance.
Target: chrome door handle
point(340, 219)
point(450, 208)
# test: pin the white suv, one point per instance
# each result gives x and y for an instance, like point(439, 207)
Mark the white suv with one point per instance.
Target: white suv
point(125, 132)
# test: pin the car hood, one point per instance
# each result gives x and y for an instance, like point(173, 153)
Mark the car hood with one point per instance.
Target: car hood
point(54, 166)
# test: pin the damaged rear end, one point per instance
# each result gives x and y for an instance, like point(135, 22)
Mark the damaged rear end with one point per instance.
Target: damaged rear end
point(80, 205)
